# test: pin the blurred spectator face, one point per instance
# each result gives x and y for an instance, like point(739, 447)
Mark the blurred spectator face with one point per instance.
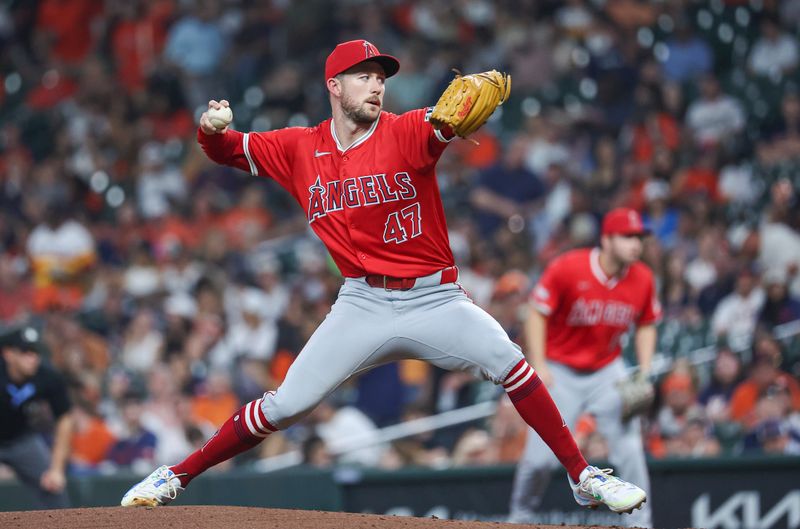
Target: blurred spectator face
point(515, 154)
point(745, 283)
point(606, 151)
point(791, 107)
point(663, 162)
point(316, 453)
point(118, 383)
point(708, 245)
point(771, 406)
point(656, 193)
point(673, 98)
point(160, 383)
point(709, 87)
point(9, 277)
point(770, 30)
point(676, 264)
point(768, 348)
point(208, 300)
point(782, 192)
point(726, 367)
point(218, 383)
point(142, 324)
point(764, 372)
point(775, 282)
point(694, 433)
point(678, 392)
point(132, 413)
point(474, 448)
point(596, 447)
point(625, 249)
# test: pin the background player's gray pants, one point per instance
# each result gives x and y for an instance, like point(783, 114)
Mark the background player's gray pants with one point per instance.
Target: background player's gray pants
point(575, 393)
point(370, 326)
point(29, 456)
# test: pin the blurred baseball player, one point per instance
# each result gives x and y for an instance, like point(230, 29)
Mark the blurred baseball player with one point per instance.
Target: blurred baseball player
point(584, 302)
point(367, 183)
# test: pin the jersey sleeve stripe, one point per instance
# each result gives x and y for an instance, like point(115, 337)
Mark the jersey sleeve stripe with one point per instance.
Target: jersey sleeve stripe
point(246, 148)
point(440, 136)
point(541, 307)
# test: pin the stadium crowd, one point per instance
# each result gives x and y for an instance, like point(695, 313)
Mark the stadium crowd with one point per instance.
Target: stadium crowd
point(171, 290)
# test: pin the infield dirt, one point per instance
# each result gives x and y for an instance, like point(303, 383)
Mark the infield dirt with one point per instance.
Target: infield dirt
point(208, 517)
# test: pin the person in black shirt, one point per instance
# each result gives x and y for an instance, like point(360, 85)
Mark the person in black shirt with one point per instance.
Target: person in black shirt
point(33, 397)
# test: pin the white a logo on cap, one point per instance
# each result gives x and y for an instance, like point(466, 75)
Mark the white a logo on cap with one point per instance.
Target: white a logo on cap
point(369, 50)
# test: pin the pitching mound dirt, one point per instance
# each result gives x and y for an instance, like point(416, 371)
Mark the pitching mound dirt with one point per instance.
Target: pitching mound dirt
point(210, 517)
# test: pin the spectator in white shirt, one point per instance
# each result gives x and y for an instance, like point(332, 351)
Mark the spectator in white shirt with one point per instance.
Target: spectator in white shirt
point(774, 53)
point(715, 116)
point(737, 313)
point(157, 182)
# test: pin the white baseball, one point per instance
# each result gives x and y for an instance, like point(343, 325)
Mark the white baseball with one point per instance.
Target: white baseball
point(220, 117)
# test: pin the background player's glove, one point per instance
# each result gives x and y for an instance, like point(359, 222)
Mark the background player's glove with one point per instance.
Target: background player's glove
point(469, 100)
point(637, 395)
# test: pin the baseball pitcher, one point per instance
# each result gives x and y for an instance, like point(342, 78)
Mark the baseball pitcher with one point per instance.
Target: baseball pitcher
point(367, 183)
point(584, 302)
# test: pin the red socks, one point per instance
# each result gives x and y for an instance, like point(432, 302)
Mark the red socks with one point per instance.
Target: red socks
point(242, 431)
point(248, 427)
point(534, 404)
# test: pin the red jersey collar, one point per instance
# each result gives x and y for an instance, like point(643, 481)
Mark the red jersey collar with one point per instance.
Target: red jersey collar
point(360, 140)
point(600, 275)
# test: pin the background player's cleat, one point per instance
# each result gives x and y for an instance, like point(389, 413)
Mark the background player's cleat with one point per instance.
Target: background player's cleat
point(159, 488)
point(600, 487)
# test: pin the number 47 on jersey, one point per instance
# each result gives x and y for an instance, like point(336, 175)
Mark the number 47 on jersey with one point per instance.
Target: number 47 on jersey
point(403, 225)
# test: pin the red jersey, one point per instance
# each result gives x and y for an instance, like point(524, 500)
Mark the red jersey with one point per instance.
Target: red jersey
point(375, 205)
point(588, 311)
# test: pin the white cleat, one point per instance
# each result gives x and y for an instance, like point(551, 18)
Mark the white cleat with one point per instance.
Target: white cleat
point(159, 488)
point(600, 487)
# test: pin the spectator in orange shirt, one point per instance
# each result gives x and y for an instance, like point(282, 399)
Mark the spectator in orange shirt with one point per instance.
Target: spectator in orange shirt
point(217, 402)
point(764, 377)
point(701, 177)
point(91, 440)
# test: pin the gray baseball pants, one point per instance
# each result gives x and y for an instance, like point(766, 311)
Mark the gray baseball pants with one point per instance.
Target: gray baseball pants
point(370, 326)
point(29, 457)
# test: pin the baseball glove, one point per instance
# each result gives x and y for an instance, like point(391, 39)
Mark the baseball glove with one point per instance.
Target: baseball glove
point(637, 395)
point(469, 100)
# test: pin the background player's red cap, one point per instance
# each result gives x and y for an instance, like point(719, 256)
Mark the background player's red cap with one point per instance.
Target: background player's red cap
point(348, 54)
point(623, 221)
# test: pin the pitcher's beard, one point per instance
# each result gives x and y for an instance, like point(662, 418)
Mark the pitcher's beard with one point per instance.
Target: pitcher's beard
point(357, 113)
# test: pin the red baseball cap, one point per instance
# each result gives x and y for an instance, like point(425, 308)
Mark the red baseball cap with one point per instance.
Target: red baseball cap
point(347, 54)
point(623, 221)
